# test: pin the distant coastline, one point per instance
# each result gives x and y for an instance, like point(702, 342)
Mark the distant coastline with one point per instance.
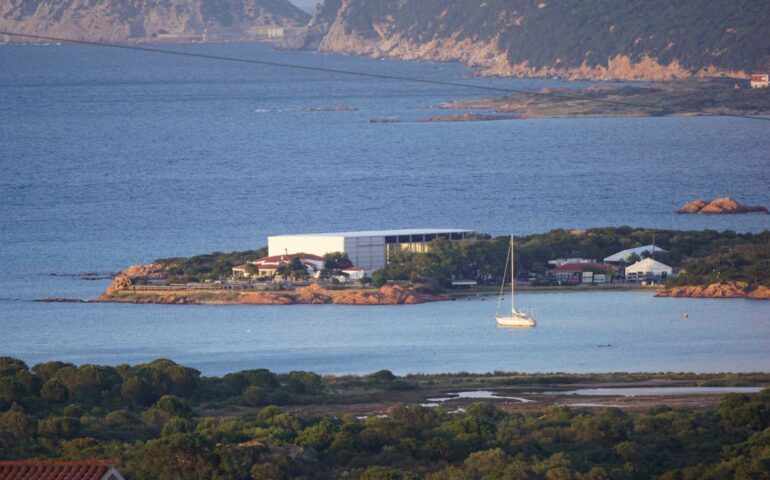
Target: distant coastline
point(673, 98)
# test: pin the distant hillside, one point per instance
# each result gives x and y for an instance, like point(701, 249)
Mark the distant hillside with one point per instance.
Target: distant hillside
point(602, 39)
point(125, 20)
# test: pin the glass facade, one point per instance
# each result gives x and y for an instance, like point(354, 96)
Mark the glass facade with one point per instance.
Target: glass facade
point(420, 243)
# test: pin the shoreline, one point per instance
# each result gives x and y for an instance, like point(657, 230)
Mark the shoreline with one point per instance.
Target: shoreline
point(397, 295)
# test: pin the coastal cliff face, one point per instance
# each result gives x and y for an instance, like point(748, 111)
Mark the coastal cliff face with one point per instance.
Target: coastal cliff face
point(121, 20)
point(576, 39)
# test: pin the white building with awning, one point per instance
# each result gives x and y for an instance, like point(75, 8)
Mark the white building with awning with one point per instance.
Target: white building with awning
point(648, 268)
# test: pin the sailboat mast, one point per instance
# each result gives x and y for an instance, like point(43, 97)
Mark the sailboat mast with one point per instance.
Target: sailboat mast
point(513, 275)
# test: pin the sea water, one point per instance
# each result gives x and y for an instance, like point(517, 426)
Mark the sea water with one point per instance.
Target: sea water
point(111, 157)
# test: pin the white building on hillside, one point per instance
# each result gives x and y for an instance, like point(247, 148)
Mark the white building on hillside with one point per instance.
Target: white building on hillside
point(369, 250)
point(648, 268)
point(625, 255)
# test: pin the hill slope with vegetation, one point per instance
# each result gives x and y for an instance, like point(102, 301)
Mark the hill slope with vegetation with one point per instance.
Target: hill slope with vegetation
point(601, 39)
point(123, 20)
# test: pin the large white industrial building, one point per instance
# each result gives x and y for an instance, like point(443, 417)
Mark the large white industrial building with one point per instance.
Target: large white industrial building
point(368, 250)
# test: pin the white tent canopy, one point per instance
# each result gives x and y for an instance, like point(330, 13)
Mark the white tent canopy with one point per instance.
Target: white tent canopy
point(625, 254)
point(648, 266)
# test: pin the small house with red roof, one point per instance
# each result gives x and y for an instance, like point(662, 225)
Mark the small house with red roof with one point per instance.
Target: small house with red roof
point(268, 266)
point(59, 470)
point(760, 80)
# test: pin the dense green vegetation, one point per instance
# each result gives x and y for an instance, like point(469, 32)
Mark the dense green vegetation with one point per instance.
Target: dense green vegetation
point(156, 421)
point(212, 266)
point(228, 13)
point(730, 34)
point(735, 256)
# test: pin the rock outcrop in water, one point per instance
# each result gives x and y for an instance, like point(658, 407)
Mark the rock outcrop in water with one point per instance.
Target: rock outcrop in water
point(141, 20)
point(718, 290)
point(596, 39)
point(720, 206)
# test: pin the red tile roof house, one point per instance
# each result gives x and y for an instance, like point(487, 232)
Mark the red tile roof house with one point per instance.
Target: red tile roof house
point(59, 470)
point(760, 80)
point(268, 266)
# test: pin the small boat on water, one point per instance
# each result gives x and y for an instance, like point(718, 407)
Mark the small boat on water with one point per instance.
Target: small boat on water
point(516, 318)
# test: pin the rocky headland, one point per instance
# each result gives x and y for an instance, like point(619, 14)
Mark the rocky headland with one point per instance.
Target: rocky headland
point(720, 206)
point(146, 20)
point(718, 290)
point(594, 39)
point(126, 287)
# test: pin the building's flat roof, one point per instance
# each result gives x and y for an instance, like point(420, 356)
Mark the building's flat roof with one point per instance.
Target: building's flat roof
point(379, 233)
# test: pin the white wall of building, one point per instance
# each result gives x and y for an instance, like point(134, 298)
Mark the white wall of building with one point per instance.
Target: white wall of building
point(365, 249)
point(317, 245)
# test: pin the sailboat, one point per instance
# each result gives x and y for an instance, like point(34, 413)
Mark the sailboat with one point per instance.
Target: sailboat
point(515, 319)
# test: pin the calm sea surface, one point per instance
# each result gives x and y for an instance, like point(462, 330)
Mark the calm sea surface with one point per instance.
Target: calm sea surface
point(109, 158)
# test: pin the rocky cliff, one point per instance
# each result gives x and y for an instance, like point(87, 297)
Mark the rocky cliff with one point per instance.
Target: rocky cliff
point(595, 39)
point(138, 20)
point(718, 290)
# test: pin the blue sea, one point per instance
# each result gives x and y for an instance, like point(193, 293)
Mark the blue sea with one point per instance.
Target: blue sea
point(112, 157)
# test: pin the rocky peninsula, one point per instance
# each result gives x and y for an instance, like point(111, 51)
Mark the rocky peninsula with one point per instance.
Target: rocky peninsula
point(122, 290)
point(706, 264)
point(690, 97)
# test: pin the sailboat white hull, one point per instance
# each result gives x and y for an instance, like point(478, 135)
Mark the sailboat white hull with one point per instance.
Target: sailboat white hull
point(516, 319)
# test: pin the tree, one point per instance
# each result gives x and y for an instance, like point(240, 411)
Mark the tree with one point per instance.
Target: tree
point(54, 391)
point(318, 436)
point(16, 425)
point(295, 269)
point(379, 278)
point(337, 261)
point(136, 390)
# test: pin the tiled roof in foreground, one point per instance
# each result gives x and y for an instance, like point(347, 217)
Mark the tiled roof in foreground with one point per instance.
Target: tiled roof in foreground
point(58, 470)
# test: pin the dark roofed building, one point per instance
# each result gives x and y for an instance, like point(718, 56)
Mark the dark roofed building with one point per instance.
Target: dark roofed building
point(59, 470)
point(573, 272)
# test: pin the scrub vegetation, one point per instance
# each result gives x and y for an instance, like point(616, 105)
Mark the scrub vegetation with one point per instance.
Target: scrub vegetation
point(705, 256)
point(155, 420)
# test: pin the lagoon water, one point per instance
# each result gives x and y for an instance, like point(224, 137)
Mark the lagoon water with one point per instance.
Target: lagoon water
point(109, 158)
point(577, 332)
